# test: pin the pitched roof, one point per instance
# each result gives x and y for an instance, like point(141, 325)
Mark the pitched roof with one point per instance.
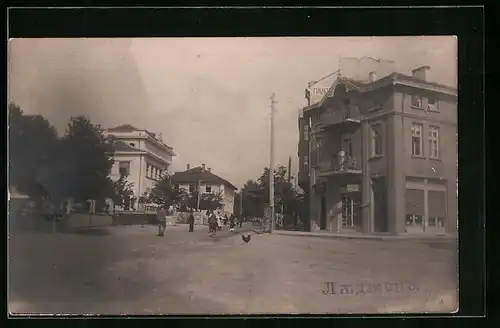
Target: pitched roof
point(198, 174)
point(131, 128)
point(364, 86)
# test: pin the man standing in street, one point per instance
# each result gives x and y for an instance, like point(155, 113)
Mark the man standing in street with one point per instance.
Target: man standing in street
point(161, 217)
point(191, 221)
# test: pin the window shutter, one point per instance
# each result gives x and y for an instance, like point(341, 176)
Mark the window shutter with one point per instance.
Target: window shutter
point(414, 202)
point(437, 203)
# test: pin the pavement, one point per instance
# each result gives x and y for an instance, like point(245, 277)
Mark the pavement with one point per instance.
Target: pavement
point(350, 235)
point(129, 270)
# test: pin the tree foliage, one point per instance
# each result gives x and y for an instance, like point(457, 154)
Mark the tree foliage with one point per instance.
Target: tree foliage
point(208, 201)
point(123, 190)
point(43, 165)
point(256, 194)
point(253, 199)
point(87, 160)
point(32, 143)
point(164, 193)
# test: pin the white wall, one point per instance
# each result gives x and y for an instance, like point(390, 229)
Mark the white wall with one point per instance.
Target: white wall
point(139, 162)
point(134, 177)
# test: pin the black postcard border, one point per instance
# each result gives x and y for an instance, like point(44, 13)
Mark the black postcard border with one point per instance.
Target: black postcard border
point(467, 23)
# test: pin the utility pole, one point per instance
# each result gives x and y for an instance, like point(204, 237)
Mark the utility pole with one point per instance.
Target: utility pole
point(241, 203)
point(271, 167)
point(289, 169)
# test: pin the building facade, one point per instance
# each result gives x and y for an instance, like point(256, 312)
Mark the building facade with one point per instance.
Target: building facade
point(208, 183)
point(139, 155)
point(380, 156)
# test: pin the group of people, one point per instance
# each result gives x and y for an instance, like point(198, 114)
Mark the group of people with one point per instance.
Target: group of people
point(215, 221)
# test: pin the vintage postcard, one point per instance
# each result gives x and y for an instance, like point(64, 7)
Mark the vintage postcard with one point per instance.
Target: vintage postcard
point(209, 176)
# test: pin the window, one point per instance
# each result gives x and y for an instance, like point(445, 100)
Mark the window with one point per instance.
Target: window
point(432, 105)
point(149, 171)
point(376, 140)
point(416, 101)
point(416, 139)
point(437, 208)
point(347, 145)
point(434, 141)
point(414, 207)
point(208, 189)
point(306, 132)
point(124, 168)
point(192, 187)
point(306, 163)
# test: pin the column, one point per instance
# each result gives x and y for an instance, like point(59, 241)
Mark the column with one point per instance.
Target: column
point(395, 163)
point(366, 202)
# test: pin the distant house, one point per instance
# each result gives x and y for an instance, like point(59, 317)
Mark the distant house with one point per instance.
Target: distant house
point(209, 183)
point(139, 155)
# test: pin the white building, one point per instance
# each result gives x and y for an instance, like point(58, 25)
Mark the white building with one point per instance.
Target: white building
point(140, 155)
point(209, 184)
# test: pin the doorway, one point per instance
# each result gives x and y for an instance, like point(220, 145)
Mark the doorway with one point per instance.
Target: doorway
point(350, 206)
point(322, 223)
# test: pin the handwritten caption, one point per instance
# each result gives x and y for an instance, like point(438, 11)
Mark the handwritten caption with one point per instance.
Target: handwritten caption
point(335, 288)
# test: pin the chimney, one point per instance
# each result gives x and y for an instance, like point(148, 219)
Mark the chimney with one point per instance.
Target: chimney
point(372, 77)
point(421, 72)
point(188, 167)
point(209, 169)
point(203, 167)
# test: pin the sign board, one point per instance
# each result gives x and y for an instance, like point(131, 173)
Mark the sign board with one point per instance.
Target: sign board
point(315, 91)
point(350, 188)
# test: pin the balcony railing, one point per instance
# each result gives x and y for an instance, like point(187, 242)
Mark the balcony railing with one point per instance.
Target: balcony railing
point(330, 118)
point(339, 163)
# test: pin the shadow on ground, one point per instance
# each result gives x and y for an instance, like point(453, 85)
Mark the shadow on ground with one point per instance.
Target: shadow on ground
point(64, 272)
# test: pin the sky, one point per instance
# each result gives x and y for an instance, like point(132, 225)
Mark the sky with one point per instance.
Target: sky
point(208, 97)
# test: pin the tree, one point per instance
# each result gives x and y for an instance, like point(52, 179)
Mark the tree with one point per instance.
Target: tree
point(32, 154)
point(208, 201)
point(123, 190)
point(86, 161)
point(253, 199)
point(164, 193)
point(285, 200)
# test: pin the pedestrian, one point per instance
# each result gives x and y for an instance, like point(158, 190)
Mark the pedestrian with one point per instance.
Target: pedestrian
point(219, 221)
point(161, 217)
point(225, 219)
point(191, 221)
point(241, 221)
point(212, 223)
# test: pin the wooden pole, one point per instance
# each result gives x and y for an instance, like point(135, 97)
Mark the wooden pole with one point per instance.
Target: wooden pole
point(271, 167)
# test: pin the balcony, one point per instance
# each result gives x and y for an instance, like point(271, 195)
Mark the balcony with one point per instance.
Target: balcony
point(340, 119)
point(339, 165)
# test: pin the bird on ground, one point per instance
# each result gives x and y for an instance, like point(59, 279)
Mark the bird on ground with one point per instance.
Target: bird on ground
point(246, 239)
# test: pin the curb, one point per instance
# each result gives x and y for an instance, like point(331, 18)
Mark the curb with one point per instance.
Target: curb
point(368, 237)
